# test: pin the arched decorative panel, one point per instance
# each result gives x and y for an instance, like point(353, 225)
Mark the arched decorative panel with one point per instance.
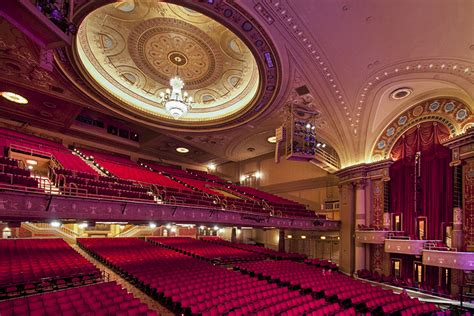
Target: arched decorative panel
point(454, 114)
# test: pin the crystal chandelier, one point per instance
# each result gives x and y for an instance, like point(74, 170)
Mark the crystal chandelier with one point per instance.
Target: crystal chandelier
point(176, 102)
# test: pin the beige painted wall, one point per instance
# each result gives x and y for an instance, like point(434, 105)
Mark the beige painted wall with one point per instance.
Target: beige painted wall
point(296, 180)
point(286, 171)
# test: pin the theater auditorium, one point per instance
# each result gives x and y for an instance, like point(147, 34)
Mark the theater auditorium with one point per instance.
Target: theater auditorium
point(236, 157)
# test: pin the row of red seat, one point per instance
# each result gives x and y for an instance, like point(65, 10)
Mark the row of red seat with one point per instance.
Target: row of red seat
point(321, 263)
point(191, 285)
point(101, 299)
point(207, 251)
point(12, 174)
point(178, 190)
point(34, 264)
point(330, 284)
point(48, 147)
point(13, 179)
point(257, 249)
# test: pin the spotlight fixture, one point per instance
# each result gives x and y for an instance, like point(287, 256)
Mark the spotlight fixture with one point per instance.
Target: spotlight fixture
point(272, 139)
point(182, 150)
point(201, 227)
point(83, 225)
point(173, 229)
point(401, 93)
point(31, 162)
point(152, 225)
point(216, 227)
point(30, 167)
point(303, 237)
point(55, 223)
point(168, 226)
point(13, 97)
point(323, 237)
point(289, 236)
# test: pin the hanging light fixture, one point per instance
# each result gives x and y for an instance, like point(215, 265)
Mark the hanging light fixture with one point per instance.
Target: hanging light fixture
point(176, 101)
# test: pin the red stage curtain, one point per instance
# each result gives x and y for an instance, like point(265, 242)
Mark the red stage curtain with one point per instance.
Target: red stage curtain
point(436, 178)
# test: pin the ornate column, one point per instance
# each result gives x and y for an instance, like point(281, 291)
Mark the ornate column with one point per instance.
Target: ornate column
point(346, 213)
point(462, 147)
point(362, 202)
point(359, 219)
point(378, 214)
point(281, 240)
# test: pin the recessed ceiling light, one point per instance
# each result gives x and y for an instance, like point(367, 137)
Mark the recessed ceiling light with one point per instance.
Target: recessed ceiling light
point(31, 162)
point(182, 150)
point(272, 139)
point(13, 97)
point(400, 93)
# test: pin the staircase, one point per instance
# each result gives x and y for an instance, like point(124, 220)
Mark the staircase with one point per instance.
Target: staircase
point(46, 184)
point(138, 231)
point(46, 229)
point(90, 163)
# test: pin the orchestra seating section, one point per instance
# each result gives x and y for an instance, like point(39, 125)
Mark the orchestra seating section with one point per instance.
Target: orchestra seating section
point(92, 300)
point(257, 249)
point(401, 282)
point(190, 285)
point(206, 251)
point(322, 263)
point(35, 265)
point(333, 286)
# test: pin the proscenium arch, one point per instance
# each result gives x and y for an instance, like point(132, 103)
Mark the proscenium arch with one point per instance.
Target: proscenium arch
point(451, 112)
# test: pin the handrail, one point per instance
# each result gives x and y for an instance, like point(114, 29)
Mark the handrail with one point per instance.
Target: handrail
point(172, 197)
point(33, 152)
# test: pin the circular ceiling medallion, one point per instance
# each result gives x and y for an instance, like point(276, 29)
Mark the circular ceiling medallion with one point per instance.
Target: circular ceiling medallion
point(177, 58)
point(400, 93)
point(129, 56)
point(164, 47)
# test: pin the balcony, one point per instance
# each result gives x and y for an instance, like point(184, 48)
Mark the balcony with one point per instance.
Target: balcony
point(27, 205)
point(404, 246)
point(26, 16)
point(449, 259)
point(372, 236)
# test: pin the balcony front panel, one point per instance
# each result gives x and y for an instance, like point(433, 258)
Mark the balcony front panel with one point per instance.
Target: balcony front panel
point(404, 246)
point(449, 259)
point(371, 236)
point(22, 206)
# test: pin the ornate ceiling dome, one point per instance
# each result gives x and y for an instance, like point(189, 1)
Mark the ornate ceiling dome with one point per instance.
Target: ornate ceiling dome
point(128, 53)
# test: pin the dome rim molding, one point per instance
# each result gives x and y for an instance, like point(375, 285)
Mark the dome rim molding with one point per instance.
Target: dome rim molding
point(269, 77)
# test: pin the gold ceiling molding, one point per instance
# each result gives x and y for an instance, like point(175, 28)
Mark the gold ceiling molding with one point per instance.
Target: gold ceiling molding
point(452, 113)
point(129, 57)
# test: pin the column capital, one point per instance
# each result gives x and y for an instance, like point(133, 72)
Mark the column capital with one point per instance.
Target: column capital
point(360, 184)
